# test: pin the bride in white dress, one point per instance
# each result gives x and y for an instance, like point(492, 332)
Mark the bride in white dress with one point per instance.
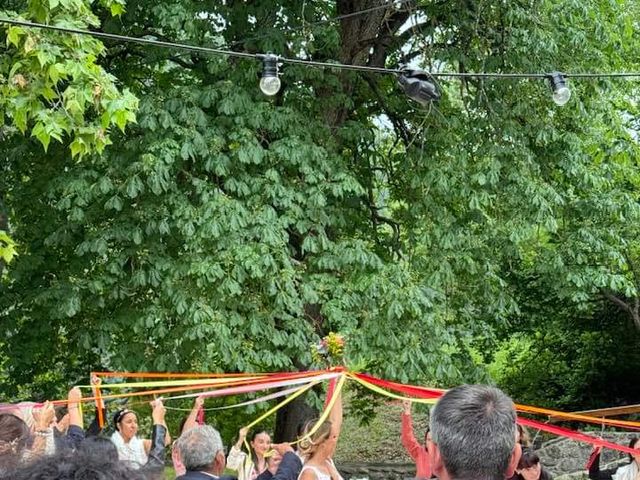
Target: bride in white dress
point(317, 451)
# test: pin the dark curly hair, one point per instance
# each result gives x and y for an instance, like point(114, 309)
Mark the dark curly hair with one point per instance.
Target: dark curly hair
point(80, 465)
point(14, 439)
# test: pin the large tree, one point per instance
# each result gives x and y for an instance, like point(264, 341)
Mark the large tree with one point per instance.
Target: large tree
point(228, 231)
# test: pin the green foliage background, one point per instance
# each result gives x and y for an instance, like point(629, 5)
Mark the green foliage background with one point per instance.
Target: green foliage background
point(490, 235)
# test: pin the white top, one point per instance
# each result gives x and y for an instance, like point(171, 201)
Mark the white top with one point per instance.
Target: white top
point(319, 474)
point(627, 472)
point(242, 463)
point(131, 452)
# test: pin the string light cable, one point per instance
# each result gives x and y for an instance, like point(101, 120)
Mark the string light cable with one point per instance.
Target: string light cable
point(415, 83)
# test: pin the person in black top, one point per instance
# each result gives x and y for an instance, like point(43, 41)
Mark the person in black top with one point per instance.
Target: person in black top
point(631, 471)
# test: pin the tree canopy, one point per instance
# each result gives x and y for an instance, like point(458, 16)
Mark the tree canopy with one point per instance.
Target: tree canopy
point(223, 230)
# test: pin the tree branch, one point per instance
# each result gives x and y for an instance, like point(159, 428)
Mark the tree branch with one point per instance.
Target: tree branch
point(633, 311)
point(398, 124)
point(179, 61)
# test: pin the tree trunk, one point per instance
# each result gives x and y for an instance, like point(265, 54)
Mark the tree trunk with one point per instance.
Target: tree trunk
point(360, 34)
point(291, 418)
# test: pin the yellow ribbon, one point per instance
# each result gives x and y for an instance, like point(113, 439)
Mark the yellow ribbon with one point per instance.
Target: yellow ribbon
point(290, 398)
point(327, 410)
point(283, 403)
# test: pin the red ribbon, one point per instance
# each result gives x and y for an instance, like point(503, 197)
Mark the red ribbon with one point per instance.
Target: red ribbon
point(574, 435)
point(200, 416)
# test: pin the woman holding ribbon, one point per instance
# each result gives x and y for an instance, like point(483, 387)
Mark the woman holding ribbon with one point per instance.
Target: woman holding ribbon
point(249, 467)
point(318, 448)
point(630, 471)
point(130, 448)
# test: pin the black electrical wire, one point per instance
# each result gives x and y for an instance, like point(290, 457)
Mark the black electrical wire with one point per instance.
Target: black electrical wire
point(310, 63)
point(124, 38)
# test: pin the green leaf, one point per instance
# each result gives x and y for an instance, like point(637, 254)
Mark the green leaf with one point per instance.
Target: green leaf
point(14, 34)
point(78, 147)
point(56, 72)
point(117, 9)
point(7, 247)
point(40, 132)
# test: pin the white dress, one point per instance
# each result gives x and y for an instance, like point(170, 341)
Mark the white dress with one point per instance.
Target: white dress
point(319, 474)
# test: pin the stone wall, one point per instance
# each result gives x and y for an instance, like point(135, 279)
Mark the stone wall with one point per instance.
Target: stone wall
point(562, 456)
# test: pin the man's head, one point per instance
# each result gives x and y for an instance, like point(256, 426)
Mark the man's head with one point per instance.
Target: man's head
point(201, 450)
point(473, 435)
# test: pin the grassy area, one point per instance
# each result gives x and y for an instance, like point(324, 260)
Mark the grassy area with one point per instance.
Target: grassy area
point(379, 441)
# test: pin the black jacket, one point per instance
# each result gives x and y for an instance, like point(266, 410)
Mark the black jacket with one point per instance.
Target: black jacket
point(289, 469)
point(155, 459)
point(596, 474)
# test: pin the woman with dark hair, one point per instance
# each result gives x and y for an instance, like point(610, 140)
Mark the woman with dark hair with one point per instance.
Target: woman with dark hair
point(14, 438)
point(249, 468)
point(530, 468)
point(20, 442)
point(630, 471)
point(100, 447)
point(79, 465)
point(131, 448)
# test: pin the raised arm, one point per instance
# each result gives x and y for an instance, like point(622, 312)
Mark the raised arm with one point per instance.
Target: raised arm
point(290, 465)
point(157, 415)
point(236, 456)
point(594, 467)
point(159, 435)
point(96, 382)
point(75, 433)
point(407, 437)
point(73, 406)
point(335, 416)
point(191, 421)
point(94, 427)
point(43, 417)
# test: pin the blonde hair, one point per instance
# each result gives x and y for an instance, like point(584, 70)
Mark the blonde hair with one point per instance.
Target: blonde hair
point(309, 443)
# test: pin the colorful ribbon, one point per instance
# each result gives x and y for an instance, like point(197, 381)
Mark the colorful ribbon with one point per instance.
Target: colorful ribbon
point(574, 435)
point(220, 384)
point(265, 398)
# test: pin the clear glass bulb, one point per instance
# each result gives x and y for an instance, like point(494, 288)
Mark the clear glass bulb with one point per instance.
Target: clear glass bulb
point(270, 85)
point(561, 95)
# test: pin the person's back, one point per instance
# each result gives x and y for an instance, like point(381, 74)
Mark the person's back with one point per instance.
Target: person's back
point(473, 435)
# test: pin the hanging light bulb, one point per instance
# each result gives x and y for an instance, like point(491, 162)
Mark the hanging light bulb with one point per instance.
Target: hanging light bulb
point(417, 86)
point(561, 93)
point(269, 81)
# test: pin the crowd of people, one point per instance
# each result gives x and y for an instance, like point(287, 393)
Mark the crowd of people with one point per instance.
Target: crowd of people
point(472, 435)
